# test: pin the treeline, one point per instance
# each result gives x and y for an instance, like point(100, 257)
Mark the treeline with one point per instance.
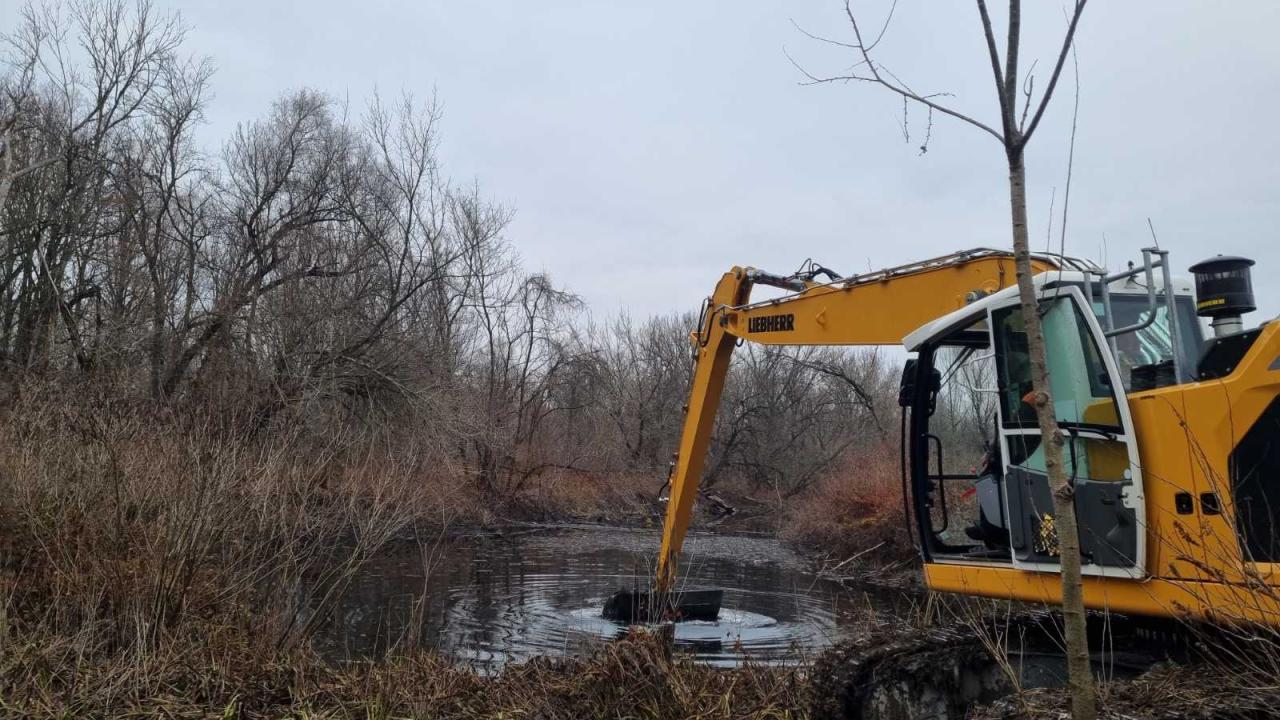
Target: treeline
point(319, 270)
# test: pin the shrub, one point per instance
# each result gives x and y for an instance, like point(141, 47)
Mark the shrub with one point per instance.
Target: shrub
point(855, 511)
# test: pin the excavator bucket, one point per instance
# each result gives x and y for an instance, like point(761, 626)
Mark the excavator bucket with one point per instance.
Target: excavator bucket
point(638, 606)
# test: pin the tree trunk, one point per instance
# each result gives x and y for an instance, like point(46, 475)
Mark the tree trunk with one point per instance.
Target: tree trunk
point(1083, 701)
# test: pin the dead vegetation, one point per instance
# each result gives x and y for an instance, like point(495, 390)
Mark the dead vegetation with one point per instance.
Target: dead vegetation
point(225, 677)
point(157, 566)
point(153, 568)
point(853, 519)
point(1166, 692)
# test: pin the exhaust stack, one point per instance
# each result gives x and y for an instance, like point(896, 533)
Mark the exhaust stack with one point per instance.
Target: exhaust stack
point(1224, 292)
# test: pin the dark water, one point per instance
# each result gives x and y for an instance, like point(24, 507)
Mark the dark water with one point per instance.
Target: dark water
point(487, 600)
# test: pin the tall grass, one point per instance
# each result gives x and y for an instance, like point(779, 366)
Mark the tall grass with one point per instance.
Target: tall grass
point(131, 536)
point(636, 677)
point(159, 564)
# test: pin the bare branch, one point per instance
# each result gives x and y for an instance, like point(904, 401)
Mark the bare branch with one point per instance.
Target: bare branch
point(1071, 154)
point(1067, 42)
point(1006, 113)
point(1028, 89)
point(821, 38)
point(890, 83)
point(883, 28)
point(1011, 63)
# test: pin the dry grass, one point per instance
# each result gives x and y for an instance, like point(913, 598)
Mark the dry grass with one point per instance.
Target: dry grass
point(224, 676)
point(152, 565)
point(1166, 692)
point(123, 526)
point(855, 512)
point(604, 497)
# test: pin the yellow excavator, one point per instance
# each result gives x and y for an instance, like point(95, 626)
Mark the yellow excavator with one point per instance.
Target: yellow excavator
point(1172, 439)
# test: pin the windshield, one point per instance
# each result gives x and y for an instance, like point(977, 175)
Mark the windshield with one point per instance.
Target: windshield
point(1077, 373)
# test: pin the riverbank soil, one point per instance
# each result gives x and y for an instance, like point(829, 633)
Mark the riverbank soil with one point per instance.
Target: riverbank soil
point(1000, 666)
point(1166, 692)
point(890, 674)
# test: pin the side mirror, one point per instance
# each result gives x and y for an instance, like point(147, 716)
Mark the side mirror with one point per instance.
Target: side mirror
point(907, 388)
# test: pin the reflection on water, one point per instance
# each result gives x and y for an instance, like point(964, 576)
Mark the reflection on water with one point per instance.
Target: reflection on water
point(488, 600)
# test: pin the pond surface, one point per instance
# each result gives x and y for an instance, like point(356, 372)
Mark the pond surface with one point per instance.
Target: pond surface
point(495, 598)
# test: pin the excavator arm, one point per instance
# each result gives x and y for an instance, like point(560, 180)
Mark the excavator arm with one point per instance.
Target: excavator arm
point(878, 308)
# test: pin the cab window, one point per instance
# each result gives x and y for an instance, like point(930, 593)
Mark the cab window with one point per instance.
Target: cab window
point(1077, 378)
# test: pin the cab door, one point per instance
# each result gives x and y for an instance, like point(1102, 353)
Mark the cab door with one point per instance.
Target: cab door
point(1100, 452)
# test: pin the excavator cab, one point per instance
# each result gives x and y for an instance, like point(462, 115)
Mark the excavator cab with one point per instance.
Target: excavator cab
point(975, 468)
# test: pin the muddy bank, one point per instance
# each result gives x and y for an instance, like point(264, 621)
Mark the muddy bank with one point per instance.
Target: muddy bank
point(1166, 692)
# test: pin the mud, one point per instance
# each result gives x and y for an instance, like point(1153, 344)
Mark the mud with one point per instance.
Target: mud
point(946, 672)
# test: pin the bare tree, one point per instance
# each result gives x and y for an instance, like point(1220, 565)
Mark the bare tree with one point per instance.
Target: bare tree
point(317, 276)
point(74, 84)
point(643, 371)
point(789, 414)
point(1020, 115)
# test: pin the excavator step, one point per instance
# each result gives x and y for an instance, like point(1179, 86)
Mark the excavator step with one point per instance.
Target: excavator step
point(637, 606)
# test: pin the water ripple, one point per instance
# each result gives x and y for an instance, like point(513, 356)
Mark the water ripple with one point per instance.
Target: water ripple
point(497, 600)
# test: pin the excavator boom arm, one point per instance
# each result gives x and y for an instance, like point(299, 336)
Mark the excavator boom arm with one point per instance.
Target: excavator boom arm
point(878, 308)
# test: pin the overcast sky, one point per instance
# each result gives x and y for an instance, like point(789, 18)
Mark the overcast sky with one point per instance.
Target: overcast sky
point(647, 147)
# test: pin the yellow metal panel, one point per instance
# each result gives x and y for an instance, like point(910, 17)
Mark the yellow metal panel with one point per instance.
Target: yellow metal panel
point(880, 312)
point(1214, 601)
point(712, 349)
